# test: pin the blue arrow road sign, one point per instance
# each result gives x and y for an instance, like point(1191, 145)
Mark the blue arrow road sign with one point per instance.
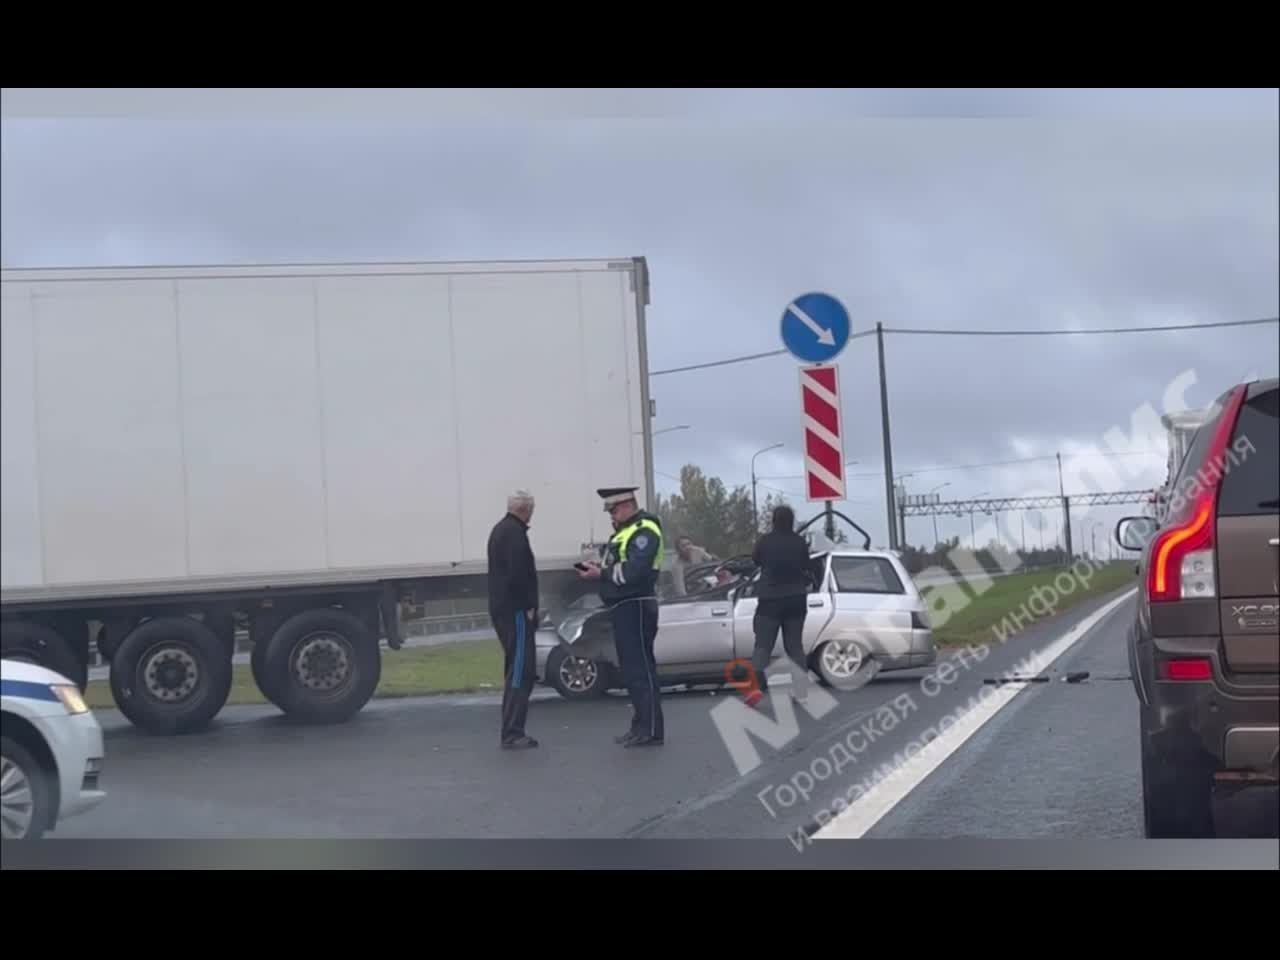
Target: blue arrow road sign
point(815, 327)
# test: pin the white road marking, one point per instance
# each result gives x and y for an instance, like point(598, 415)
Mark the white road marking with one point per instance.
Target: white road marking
point(869, 809)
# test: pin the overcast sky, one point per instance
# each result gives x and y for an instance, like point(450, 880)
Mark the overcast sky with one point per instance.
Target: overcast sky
point(941, 209)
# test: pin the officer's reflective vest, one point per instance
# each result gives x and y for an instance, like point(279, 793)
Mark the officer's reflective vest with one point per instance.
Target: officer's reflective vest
point(623, 537)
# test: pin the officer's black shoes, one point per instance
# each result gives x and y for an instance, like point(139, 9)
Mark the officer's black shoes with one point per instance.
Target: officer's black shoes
point(519, 743)
point(622, 738)
point(642, 740)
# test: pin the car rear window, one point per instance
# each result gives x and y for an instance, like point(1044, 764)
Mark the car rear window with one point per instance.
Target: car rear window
point(1252, 483)
point(865, 575)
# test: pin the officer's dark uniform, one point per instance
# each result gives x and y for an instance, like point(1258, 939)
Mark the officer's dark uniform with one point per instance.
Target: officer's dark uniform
point(631, 562)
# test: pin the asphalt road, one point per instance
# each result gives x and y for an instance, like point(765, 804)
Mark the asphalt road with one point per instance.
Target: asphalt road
point(1059, 760)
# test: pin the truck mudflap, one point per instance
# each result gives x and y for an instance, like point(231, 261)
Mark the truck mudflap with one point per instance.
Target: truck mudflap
point(389, 612)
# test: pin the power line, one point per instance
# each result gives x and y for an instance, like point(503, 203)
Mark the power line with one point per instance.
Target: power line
point(750, 356)
point(920, 331)
point(979, 466)
point(1076, 333)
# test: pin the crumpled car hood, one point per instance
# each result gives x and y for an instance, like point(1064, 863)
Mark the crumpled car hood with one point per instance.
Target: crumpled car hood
point(588, 633)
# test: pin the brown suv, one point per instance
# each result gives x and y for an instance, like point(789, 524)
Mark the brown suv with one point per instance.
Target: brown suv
point(1204, 651)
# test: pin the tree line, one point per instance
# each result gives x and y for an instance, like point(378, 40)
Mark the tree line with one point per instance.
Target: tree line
point(720, 519)
point(717, 517)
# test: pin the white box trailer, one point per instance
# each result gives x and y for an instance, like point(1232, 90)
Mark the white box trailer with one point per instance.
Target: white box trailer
point(301, 448)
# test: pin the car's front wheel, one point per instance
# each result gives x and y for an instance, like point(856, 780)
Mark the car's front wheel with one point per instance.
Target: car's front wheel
point(26, 798)
point(1177, 792)
point(576, 678)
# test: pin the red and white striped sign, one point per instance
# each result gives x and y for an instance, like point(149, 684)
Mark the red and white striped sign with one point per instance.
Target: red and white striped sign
point(823, 433)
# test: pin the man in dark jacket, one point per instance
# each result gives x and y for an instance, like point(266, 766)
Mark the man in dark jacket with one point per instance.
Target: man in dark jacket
point(787, 575)
point(513, 607)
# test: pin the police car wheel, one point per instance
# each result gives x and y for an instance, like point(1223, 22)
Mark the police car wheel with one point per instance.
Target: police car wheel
point(576, 678)
point(171, 675)
point(323, 666)
point(26, 798)
point(37, 644)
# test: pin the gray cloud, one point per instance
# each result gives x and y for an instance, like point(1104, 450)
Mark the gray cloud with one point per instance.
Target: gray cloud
point(1060, 208)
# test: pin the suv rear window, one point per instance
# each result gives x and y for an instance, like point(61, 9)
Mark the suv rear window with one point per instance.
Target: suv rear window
point(1252, 483)
point(1195, 471)
point(865, 575)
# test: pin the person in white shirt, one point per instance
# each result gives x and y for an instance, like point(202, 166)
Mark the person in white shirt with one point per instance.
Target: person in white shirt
point(687, 554)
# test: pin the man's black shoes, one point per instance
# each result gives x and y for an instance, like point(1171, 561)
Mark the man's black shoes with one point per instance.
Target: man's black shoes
point(519, 743)
point(638, 740)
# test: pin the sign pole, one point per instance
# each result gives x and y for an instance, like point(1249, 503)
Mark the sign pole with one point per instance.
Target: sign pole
point(815, 328)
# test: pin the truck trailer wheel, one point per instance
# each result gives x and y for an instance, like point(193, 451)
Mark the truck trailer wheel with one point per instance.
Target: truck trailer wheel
point(171, 675)
point(38, 644)
point(261, 678)
point(322, 665)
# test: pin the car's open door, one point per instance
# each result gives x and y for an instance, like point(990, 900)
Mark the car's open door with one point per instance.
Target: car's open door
point(822, 606)
point(820, 609)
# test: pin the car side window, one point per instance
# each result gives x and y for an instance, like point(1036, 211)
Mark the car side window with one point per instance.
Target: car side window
point(865, 575)
point(1253, 465)
point(818, 571)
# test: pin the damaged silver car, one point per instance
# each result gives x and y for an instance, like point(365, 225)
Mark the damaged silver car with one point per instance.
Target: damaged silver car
point(866, 617)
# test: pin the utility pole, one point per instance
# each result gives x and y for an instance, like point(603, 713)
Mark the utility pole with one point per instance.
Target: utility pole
point(902, 509)
point(888, 447)
point(1066, 510)
point(934, 511)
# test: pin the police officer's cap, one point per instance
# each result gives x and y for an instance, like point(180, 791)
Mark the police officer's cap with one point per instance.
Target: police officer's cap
point(613, 496)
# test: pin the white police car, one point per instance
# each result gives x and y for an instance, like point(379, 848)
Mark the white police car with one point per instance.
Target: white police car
point(50, 751)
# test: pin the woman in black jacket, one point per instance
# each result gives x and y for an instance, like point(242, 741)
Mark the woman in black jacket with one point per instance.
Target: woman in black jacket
point(786, 579)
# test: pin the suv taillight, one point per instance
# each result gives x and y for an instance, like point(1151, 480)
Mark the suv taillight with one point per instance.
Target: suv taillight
point(1183, 556)
point(1182, 559)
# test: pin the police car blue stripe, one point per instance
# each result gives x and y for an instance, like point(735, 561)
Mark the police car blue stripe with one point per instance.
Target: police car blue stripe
point(28, 690)
point(519, 666)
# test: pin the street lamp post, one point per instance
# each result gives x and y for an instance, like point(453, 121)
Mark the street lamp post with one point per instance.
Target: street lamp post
point(755, 510)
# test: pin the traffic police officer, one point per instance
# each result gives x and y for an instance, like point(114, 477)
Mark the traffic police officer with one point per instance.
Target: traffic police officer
point(628, 576)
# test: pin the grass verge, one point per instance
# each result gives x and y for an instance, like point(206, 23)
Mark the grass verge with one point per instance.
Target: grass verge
point(463, 667)
point(973, 618)
point(476, 665)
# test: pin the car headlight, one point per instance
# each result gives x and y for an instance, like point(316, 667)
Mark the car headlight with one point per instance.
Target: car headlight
point(70, 697)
